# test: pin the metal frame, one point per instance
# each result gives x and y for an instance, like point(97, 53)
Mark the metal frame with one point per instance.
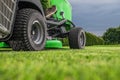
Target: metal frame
point(57, 28)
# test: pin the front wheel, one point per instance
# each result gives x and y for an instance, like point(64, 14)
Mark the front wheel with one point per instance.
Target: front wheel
point(77, 38)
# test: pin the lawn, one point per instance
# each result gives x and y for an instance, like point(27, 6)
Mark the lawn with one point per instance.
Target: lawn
point(91, 63)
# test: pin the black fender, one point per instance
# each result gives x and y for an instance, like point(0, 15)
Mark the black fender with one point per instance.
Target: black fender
point(36, 3)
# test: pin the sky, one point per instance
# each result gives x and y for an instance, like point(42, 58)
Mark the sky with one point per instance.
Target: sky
point(96, 16)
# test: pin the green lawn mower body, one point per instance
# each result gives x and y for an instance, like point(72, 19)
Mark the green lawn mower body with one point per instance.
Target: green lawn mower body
point(4, 45)
point(62, 6)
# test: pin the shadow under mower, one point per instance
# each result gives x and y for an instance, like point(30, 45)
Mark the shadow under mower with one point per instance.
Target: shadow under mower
point(32, 31)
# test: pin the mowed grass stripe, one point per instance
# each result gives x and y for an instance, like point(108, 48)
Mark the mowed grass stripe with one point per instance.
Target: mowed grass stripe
point(91, 63)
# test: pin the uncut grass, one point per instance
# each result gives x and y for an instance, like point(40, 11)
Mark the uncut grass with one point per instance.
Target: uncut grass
point(92, 63)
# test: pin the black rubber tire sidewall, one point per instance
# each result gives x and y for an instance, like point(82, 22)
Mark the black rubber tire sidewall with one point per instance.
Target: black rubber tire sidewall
point(74, 38)
point(32, 18)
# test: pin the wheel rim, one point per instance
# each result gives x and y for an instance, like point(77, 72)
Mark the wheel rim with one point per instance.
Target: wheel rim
point(37, 32)
point(82, 39)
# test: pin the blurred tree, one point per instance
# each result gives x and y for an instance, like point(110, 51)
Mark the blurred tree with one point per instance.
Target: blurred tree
point(92, 39)
point(112, 36)
point(45, 4)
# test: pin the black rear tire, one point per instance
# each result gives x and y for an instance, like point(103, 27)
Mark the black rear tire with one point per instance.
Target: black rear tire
point(29, 31)
point(15, 45)
point(77, 38)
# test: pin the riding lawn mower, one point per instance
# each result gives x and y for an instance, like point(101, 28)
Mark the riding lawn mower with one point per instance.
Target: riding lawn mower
point(23, 26)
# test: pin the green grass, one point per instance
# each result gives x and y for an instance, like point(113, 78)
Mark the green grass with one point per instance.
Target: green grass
point(92, 63)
